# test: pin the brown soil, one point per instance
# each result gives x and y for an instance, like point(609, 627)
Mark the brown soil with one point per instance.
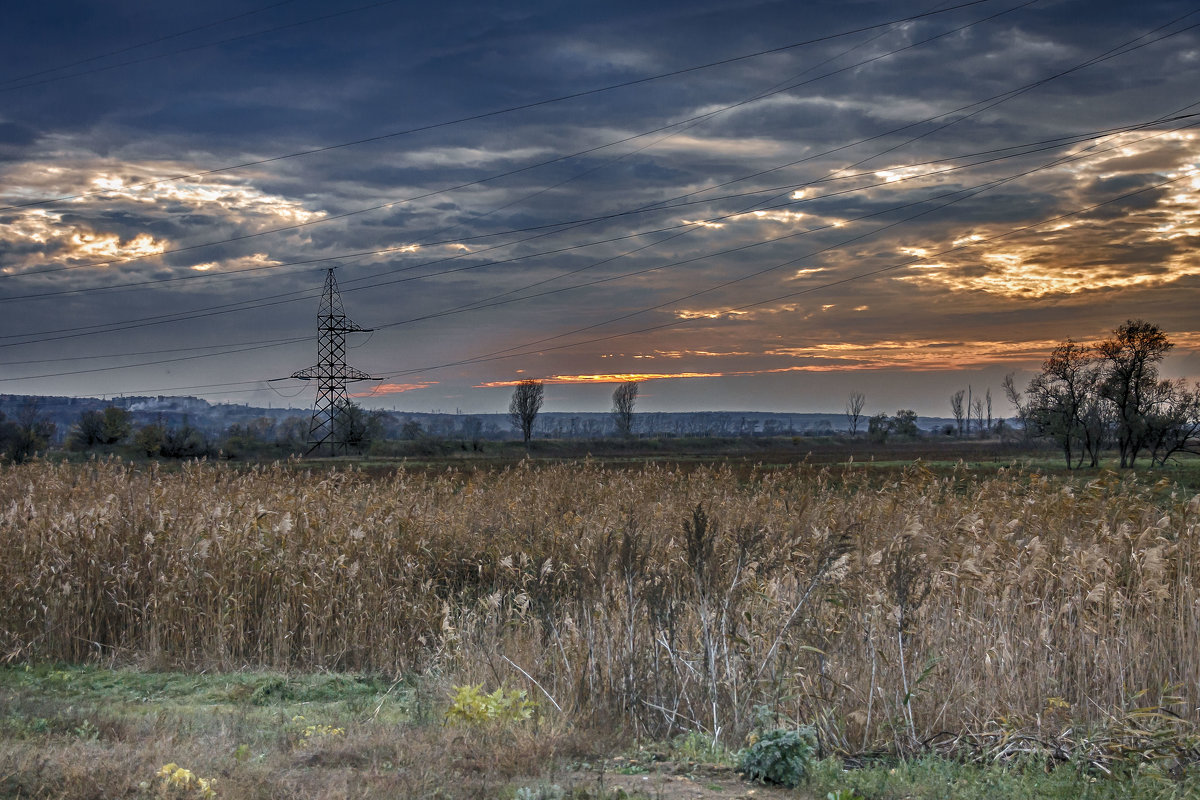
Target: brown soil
point(668, 781)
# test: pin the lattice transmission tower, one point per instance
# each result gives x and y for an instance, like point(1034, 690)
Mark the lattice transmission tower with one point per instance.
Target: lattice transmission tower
point(330, 420)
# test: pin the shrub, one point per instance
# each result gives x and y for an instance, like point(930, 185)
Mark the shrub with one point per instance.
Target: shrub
point(470, 705)
point(781, 756)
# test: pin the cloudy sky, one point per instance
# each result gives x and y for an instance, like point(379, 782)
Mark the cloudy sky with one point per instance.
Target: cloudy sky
point(747, 205)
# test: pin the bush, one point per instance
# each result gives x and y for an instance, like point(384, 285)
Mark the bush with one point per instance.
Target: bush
point(470, 705)
point(781, 756)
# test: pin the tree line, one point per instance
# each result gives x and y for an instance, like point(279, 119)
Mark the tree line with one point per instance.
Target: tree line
point(1091, 397)
point(528, 396)
point(113, 430)
point(1088, 398)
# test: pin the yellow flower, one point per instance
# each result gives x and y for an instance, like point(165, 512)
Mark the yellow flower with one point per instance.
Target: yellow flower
point(182, 777)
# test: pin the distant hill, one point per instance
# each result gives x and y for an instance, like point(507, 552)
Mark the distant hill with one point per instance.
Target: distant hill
point(215, 418)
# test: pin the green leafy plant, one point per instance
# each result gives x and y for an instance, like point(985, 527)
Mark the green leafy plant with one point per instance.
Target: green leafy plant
point(697, 746)
point(843, 794)
point(307, 733)
point(180, 782)
point(550, 792)
point(468, 704)
point(782, 756)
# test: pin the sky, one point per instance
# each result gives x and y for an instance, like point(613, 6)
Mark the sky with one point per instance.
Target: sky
point(744, 205)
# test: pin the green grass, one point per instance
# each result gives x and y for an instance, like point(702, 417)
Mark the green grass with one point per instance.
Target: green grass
point(132, 687)
point(941, 455)
point(86, 731)
point(936, 778)
point(49, 699)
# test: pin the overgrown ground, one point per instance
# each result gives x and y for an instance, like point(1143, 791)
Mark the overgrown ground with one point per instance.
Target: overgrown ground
point(96, 732)
point(1007, 631)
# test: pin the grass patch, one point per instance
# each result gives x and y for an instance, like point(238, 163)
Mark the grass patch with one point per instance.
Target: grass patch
point(131, 689)
point(85, 732)
point(936, 778)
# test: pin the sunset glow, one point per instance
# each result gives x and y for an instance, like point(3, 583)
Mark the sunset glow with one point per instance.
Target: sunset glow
point(789, 201)
point(394, 388)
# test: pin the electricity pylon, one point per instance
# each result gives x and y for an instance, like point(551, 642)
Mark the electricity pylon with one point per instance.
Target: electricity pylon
point(330, 422)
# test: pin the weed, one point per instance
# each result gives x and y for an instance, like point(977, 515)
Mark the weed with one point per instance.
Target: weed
point(697, 746)
point(178, 782)
point(272, 691)
point(843, 794)
point(307, 733)
point(471, 706)
point(782, 756)
point(87, 731)
point(632, 769)
point(544, 792)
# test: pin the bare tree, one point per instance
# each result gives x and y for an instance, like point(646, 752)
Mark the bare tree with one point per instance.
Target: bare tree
point(989, 409)
point(30, 432)
point(1058, 397)
point(624, 397)
point(1085, 396)
point(472, 430)
point(1174, 427)
point(1130, 360)
point(969, 406)
point(956, 405)
point(905, 423)
point(524, 407)
point(1017, 398)
point(357, 427)
point(854, 407)
point(979, 414)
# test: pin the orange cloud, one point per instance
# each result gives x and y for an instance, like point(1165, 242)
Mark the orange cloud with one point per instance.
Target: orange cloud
point(394, 388)
point(622, 377)
point(713, 313)
point(555, 380)
point(929, 355)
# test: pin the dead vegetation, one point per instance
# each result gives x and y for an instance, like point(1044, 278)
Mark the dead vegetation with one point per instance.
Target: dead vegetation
point(956, 613)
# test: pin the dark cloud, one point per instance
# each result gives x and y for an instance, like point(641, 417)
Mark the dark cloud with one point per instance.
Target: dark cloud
point(214, 100)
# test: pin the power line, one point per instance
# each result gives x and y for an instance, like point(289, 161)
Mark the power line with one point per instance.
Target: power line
point(500, 355)
point(962, 194)
point(423, 276)
point(95, 356)
point(93, 370)
point(511, 109)
point(193, 48)
point(259, 303)
point(142, 44)
point(503, 355)
point(1122, 49)
point(561, 226)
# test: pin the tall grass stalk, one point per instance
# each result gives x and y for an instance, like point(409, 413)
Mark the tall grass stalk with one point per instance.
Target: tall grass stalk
point(1034, 601)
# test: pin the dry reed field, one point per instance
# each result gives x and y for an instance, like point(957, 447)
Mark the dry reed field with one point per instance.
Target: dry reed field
point(927, 611)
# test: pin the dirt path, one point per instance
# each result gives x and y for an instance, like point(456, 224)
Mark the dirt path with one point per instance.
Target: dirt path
point(678, 782)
